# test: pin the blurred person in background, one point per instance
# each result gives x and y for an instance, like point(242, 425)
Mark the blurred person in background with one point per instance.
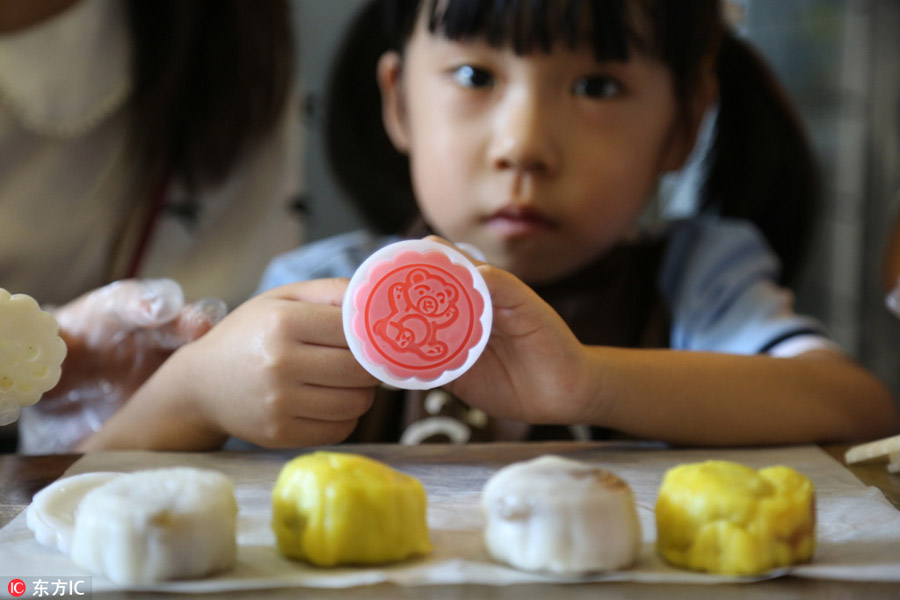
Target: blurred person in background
point(149, 153)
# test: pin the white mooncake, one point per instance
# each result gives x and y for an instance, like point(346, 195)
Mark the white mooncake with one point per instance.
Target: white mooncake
point(52, 512)
point(148, 526)
point(560, 516)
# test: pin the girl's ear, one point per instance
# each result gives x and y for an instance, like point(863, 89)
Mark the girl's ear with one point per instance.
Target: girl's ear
point(705, 96)
point(393, 108)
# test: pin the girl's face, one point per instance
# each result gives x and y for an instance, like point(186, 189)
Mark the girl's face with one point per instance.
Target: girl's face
point(542, 161)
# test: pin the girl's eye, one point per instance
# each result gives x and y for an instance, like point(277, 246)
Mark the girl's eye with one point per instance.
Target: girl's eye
point(597, 86)
point(472, 77)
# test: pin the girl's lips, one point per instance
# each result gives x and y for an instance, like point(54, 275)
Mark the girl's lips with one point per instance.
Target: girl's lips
point(517, 221)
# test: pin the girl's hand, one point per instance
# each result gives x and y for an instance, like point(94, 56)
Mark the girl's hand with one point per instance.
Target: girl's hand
point(533, 369)
point(277, 372)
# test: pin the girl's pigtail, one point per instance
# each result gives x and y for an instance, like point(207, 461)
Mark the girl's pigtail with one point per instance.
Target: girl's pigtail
point(762, 168)
point(369, 170)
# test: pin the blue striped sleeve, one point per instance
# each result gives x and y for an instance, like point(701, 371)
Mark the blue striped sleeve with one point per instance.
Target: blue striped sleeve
point(719, 278)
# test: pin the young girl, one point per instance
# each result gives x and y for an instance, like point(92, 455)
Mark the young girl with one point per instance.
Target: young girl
point(537, 132)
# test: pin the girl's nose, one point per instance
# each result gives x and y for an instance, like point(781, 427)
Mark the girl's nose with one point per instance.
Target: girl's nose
point(524, 137)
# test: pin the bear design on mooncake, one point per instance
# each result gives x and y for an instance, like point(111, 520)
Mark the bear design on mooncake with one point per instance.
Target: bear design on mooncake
point(417, 314)
point(420, 306)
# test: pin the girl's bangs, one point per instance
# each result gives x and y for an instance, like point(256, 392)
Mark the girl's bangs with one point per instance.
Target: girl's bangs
point(531, 25)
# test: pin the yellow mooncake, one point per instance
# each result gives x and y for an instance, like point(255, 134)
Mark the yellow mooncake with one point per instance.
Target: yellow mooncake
point(334, 508)
point(724, 517)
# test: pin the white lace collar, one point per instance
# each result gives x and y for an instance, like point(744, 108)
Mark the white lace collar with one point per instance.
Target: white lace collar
point(65, 75)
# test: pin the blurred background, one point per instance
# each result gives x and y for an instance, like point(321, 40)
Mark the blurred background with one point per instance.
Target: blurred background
point(840, 62)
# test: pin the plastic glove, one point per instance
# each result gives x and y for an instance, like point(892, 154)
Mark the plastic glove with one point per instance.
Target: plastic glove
point(117, 336)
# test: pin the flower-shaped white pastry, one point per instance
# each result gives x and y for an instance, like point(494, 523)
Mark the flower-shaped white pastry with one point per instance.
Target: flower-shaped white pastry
point(31, 353)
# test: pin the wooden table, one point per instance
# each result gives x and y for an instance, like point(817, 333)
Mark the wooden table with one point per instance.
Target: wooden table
point(22, 476)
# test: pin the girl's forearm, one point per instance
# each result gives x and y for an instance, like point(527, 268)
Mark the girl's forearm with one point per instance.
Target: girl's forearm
point(160, 415)
point(720, 399)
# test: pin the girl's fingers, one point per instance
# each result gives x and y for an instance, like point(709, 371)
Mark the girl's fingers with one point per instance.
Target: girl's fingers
point(291, 433)
point(316, 291)
point(507, 290)
point(331, 404)
point(324, 366)
point(314, 324)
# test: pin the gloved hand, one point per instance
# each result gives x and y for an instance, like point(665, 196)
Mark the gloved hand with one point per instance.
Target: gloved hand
point(116, 336)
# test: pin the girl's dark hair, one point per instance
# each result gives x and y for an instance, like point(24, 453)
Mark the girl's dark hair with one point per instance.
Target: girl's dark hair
point(364, 161)
point(761, 168)
point(211, 78)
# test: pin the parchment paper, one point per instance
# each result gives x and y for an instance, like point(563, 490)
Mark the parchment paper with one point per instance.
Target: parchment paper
point(858, 529)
